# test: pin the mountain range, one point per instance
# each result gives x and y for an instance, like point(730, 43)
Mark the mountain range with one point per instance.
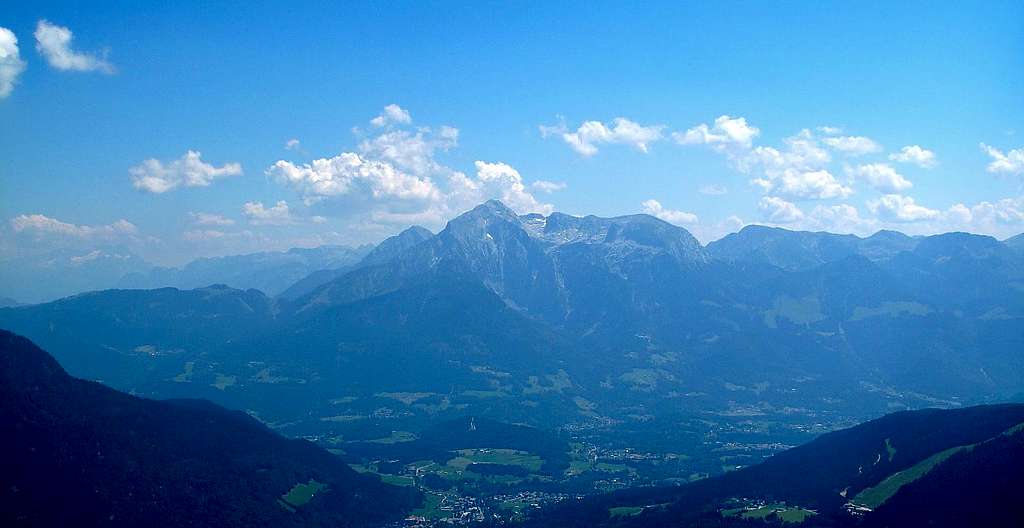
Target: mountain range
point(35, 278)
point(590, 318)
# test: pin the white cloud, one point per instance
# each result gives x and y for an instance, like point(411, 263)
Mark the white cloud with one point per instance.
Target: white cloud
point(881, 177)
point(392, 114)
point(44, 225)
point(292, 144)
point(840, 218)
point(411, 151)
point(276, 215)
point(11, 65)
point(209, 219)
point(1011, 162)
point(672, 216)
point(589, 135)
point(1005, 212)
point(190, 170)
point(350, 174)
point(54, 43)
point(801, 152)
point(713, 190)
point(959, 214)
point(915, 154)
point(727, 131)
point(547, 187)
point(395, 178)
point(779, 211)
point(899, 208)
point(852, 145)
point(500, 180)
point(830, 130)
point(804, 185)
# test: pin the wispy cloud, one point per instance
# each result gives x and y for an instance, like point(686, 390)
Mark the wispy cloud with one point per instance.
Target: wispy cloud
point(157, 177)
point(54, 43)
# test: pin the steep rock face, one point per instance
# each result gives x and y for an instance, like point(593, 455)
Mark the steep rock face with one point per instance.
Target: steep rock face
point(396, 245)
point(548, 267)
point(384, 252)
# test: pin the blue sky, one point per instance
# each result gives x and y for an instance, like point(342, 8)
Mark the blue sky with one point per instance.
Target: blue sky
point(586, 108)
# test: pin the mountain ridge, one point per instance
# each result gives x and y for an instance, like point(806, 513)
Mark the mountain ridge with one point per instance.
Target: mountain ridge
point(83, 454)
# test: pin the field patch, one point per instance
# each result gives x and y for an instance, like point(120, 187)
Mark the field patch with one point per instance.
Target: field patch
point(509, 457)
point(875, 496)
point(301, 494)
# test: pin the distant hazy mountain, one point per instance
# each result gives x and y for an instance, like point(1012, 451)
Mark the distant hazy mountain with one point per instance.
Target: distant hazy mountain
point(921, 468)
point(799, 250)
point(43, 277)
point(80, 454)
point(385, 251)
point(1016, 243)
point(269, 272)
point(540, 319)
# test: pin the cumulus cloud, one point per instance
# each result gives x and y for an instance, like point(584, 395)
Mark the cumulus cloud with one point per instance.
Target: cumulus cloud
point(292, 144)
point(916, 155)
point(899, 208)
point(727, 131)
point(54, 43)
point(396, 178)
point(276, 215)
point(803, 185)
point(798, 171)
point(11, 65)
point(591, 134)
point(547, 187)
point(190, 170)
point(852, 145)
point(392, 114)
point(1006, 215)
point(1010, 162)
point(881, 177)
point(800, 152)
point(713, 190)
point(38, 224)
point(672, 216)
point(840, 218)
point(779, 211)
point(350, 174)
point(411, 151)
point(500, 180)
point(209, 219)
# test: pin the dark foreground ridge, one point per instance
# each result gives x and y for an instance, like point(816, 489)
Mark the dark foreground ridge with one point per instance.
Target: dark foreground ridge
point(80, 454)
point(935, 468)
